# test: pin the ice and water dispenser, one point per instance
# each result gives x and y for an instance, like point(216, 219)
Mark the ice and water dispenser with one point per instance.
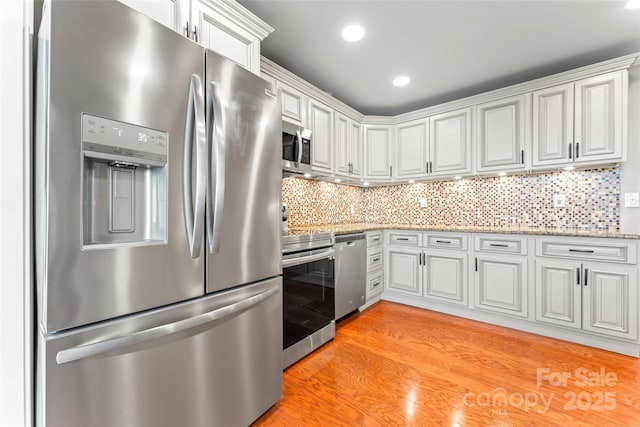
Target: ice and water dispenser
point(124, 183)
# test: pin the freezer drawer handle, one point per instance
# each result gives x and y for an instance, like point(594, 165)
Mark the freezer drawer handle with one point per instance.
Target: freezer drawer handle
point(215, 143)
point(118, 345)
point(194, 218)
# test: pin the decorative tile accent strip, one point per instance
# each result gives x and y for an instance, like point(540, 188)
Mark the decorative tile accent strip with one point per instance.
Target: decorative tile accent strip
point(592, 201)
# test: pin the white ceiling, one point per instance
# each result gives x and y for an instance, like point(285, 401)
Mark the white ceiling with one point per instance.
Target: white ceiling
point(450, 49)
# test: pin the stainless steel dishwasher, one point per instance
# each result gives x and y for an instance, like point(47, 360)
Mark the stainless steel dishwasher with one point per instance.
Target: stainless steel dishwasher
point(350, 273)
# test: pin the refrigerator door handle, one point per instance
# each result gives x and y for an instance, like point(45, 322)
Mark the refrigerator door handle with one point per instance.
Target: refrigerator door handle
point(194, 215)
point(121, 344)
point(216, 142)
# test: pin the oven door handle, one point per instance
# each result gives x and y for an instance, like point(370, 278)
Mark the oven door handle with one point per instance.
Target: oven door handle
point(310, 258)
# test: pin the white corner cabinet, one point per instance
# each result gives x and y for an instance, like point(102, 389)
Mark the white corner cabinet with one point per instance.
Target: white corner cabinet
point(581, 122)
point(579, 289)
point(223, 26)
point(378, 152)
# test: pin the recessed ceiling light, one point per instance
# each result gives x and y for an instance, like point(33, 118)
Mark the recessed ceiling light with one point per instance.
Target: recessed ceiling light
point(569, 168)
point(353, 33)
point(502, 174)
point(401, 81)
point(632, 4)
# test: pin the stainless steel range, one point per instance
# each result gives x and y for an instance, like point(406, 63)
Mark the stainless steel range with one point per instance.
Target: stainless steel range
point(308, 294)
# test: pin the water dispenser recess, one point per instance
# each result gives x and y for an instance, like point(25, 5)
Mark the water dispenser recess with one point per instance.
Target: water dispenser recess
point(124, 183)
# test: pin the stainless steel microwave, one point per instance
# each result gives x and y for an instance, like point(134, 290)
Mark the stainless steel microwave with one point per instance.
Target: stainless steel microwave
point(296, 148)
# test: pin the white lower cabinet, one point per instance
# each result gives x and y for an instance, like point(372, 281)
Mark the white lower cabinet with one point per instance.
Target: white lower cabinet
point(432, 266)
point(445, 276)
point(403, 270)
point(593, 296)
point(375, 277)
point(501, 284)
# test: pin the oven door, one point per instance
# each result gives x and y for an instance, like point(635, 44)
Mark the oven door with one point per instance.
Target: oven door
point(308, 293)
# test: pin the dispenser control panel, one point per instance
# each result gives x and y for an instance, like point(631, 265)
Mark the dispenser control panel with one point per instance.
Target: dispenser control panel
point(111, 139)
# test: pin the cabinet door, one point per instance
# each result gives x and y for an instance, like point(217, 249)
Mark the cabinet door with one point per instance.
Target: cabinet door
point(293, 104)
point(445, 276)
point(610, 300)
point(377, 152)
point(558, 293)
point(598, 117)
point(450, 143)
point(355, 143)
point(165, 12)
point(402, 270)
point(342, 145)
point(501, 284)
point(411, 150)
point(224, 36)
point(321, 125)
point(501, 133)
point(553, 125)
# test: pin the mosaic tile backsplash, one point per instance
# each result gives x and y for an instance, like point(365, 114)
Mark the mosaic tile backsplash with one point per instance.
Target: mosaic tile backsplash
point(592, 201)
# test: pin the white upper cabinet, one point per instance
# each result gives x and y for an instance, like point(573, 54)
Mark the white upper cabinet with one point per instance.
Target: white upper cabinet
point(450, 143)
point(501, 133)
point(581, 122)
point(599, 122)
point(321, 125)
point(553, 125)
point(294, 104)
point(166, 12)
point(347, 146)
point(227, 28)
point(377, 152)
point(411, 149)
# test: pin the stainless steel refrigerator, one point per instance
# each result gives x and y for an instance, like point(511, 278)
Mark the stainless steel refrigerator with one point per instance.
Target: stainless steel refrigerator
point(158, 273)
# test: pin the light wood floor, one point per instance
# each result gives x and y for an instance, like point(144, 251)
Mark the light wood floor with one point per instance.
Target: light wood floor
point(395, 365)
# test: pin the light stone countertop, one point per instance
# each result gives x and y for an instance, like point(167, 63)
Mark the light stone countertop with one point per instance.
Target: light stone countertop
point(360, 227)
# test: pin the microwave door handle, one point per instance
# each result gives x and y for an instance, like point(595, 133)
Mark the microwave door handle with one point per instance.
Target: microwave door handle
point(299, 137)
point(194, 213)
point(216, 138)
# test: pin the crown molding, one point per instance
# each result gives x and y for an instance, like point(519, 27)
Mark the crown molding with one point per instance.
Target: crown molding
point(616, 64)
point(235, 12)
point(279, 73)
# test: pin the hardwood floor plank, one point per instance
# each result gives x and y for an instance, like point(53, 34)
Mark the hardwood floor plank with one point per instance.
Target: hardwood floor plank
point(395, 365)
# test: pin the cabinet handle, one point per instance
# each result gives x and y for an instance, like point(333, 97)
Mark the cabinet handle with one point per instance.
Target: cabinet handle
point(390, 171)
point(448, 242)
point(582, 251)
point(586, 276)
point(577, 150)
point(430, 166)
point(476, 263)
point(376, 259)
point(424, 258)
point(186, 30)
point(570, 157)
point(195, 33)
point(577, 275)
point(522, 156)
point(426, 165)
point(402, 238)
point(498, 245)
point(375, 285)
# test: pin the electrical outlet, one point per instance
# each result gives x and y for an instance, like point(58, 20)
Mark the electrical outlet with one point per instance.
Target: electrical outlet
point(631, 200)
point(558, 200)
point(424, 202)
point(352, 209)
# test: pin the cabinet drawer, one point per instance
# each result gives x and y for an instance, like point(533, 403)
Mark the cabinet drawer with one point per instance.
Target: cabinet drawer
point(374, 238)
point(374, 258)
point(404, 238)
point(445, 241)
point(618, 252)
point(374, 283)
point(505, 245)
